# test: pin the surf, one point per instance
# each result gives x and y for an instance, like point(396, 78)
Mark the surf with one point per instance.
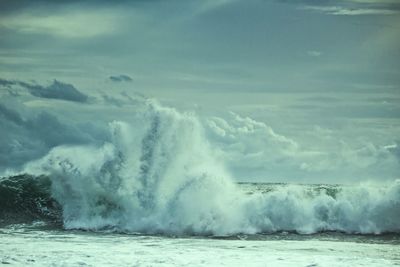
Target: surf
point(159, 174)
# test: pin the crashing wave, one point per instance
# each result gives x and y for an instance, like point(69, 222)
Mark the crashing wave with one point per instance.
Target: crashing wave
point(25, 198)
point(159, 175)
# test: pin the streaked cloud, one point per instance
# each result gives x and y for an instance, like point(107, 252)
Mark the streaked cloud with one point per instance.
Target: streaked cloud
point(56, 90)
point(72, 23)
point(351, 7)
point(344, 11)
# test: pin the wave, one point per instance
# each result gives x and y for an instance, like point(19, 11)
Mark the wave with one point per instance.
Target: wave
point(25, 198)
point(160, 175)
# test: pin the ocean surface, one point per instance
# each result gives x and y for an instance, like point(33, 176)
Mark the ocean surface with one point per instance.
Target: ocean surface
point(34, 231)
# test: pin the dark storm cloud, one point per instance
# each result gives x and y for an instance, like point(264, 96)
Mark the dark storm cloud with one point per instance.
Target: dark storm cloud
point(10, 115)
point(6, 83)
point(120, 78)
point(30, 136)
point(8, 86)
point(56, 90)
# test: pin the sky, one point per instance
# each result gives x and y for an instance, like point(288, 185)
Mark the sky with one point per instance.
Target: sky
point(288, 91)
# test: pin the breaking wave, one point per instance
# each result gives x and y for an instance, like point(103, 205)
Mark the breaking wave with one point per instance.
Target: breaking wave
point(158, 174)
point(26, 198)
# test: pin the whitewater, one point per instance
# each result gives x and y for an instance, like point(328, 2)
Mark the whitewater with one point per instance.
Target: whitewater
point(158, 175)
point(157, 184)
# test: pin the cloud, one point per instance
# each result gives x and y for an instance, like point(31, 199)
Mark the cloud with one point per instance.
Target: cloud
point(71, 23)
point(344, 11)
point(253, 150)
point(377, 2)
point(120, 78)
point(87, 19)
point(28, 135)
point(6, 83)
point(350, 7)
point(314, 53)
point(56, 90)
point(10, 115)
point(8, 6)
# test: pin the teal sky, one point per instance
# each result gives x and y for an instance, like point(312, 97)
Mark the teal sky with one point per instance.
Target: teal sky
point(222, 45)
point(325, 75)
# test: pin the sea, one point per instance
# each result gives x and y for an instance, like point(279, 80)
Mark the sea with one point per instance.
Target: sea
point(36, 231)
point(155, 193)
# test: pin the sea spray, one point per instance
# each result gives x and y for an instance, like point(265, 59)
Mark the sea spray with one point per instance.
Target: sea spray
point(158, 174)
point(367, 209)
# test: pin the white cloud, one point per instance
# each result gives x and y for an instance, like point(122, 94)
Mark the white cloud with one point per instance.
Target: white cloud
point(70, 24)
point(248, 146)
point(253, 150)
point(314, 53)
point(375, 1)
point(338, 10)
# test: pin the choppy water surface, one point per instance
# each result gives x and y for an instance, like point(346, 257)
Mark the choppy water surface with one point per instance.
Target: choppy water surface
point(42, 240)
point(39, 245)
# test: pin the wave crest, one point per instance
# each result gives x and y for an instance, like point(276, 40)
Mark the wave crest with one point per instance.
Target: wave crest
point(159, 175)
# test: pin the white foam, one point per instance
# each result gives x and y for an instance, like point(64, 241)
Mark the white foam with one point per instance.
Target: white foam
point(159, 174)
point(74, 249)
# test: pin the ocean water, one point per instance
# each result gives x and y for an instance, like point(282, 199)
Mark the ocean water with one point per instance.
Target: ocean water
point(156, 195)
point(33, 233)
point(27, 246)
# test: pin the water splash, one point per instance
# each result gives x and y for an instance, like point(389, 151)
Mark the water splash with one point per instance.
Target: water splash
point(158, 174)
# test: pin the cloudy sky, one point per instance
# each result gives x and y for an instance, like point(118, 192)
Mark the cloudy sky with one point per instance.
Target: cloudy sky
point(301, 90)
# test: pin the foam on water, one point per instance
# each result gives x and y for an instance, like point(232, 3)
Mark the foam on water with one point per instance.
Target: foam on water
point(159, 175)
